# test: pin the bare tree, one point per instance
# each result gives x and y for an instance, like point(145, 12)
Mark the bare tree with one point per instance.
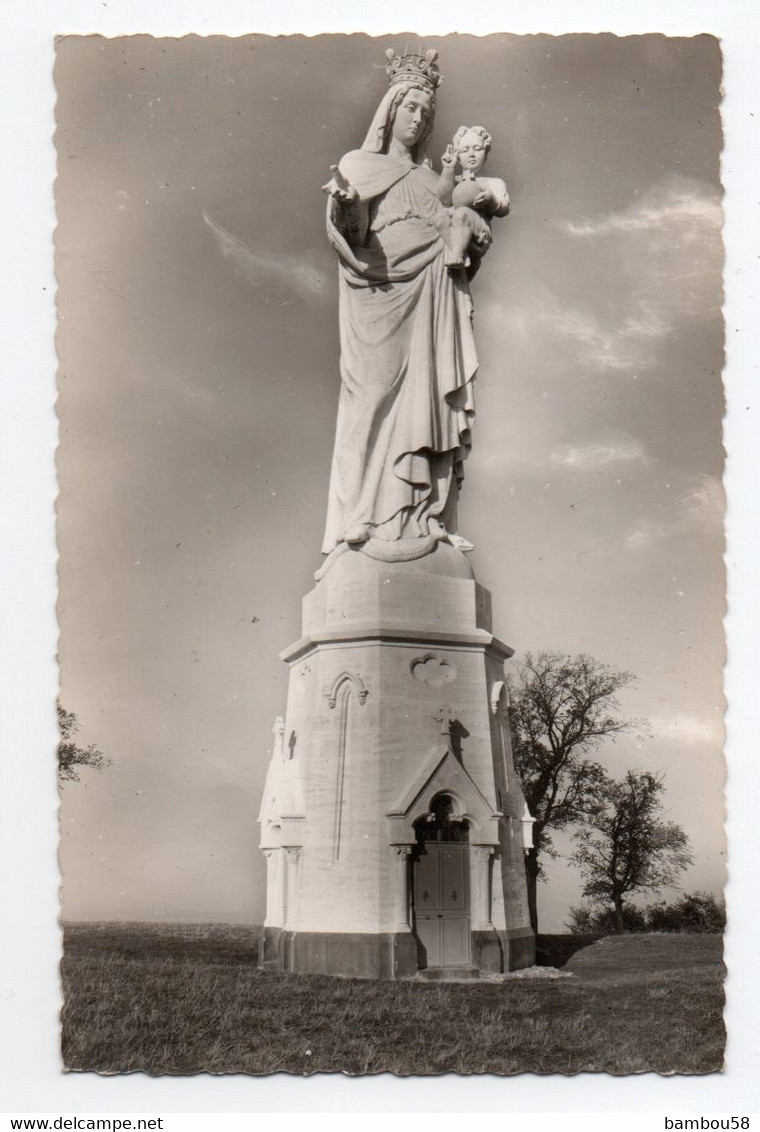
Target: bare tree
point(626, 847)
point(562, 709)
point(70, 755)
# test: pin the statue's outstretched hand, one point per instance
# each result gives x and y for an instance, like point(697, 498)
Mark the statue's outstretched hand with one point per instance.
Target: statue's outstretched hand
point(338, 187)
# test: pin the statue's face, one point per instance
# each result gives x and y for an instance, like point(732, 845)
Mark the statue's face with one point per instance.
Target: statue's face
point(412, 116)
point(472, 152)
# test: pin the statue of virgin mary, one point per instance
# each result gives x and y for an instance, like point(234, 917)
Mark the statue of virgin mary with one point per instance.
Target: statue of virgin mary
point(407, 351)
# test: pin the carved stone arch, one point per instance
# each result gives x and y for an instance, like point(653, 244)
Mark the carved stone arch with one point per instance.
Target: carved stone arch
point(499, 698)
point(355, 680)
point(459, 808)
point(445, 819)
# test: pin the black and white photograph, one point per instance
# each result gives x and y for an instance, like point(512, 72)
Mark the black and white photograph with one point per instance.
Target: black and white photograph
point(391, 535)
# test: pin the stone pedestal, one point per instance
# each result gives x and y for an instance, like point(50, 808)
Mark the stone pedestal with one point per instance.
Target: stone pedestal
point(396, 699)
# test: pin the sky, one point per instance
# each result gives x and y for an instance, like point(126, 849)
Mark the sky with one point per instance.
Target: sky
point(198, 350)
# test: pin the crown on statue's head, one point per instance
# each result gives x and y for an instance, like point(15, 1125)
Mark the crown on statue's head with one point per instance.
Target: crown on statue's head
point(419, 69)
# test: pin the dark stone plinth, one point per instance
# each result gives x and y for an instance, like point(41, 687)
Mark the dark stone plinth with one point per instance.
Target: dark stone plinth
point(487, 951)
point(385, 955)
point(270, 953)
point(519, 948)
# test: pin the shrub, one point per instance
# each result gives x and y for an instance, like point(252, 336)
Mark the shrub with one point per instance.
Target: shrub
point(601, 921)
point(693, 912)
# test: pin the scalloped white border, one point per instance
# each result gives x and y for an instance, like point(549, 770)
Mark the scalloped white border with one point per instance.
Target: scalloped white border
point(31, 1080)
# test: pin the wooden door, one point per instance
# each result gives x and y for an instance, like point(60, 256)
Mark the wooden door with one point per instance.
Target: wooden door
point(442, 903)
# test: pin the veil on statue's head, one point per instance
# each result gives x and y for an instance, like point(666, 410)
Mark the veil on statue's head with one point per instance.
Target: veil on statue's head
point(379, 132)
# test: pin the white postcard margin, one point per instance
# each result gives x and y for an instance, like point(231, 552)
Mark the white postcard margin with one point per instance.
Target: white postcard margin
point(32, 1080)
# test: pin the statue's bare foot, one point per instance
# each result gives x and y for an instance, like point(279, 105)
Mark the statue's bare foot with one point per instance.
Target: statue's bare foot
point(461, 543)
point(357, 534)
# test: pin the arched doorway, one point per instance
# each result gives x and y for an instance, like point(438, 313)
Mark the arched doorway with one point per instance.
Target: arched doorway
point(441, 887)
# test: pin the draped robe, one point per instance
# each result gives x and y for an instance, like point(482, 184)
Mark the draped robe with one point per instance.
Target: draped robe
point(407, 356)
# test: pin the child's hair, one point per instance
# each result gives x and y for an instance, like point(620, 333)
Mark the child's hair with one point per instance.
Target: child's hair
point(481, 131)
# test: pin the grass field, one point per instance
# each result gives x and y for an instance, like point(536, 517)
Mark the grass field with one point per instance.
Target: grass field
point(188, 999)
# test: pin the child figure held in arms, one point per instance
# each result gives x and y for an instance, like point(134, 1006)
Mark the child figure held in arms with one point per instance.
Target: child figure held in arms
point(474, 198)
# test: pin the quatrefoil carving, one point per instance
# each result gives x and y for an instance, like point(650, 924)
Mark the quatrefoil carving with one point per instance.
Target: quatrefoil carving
point(433, 671)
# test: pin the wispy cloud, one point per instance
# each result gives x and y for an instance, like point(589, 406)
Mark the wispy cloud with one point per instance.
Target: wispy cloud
point(619, 448)
point(690, 213)
point(678, 205)
point(693, 730)
point(667, 255)
point(705, 503)
point(622, 344)
point(281, 273)
point(700, 508)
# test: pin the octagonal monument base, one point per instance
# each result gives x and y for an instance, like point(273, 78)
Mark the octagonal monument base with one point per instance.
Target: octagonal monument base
point(392, 819)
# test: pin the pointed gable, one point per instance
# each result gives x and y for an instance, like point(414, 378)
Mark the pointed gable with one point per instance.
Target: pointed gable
point(443, 773)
